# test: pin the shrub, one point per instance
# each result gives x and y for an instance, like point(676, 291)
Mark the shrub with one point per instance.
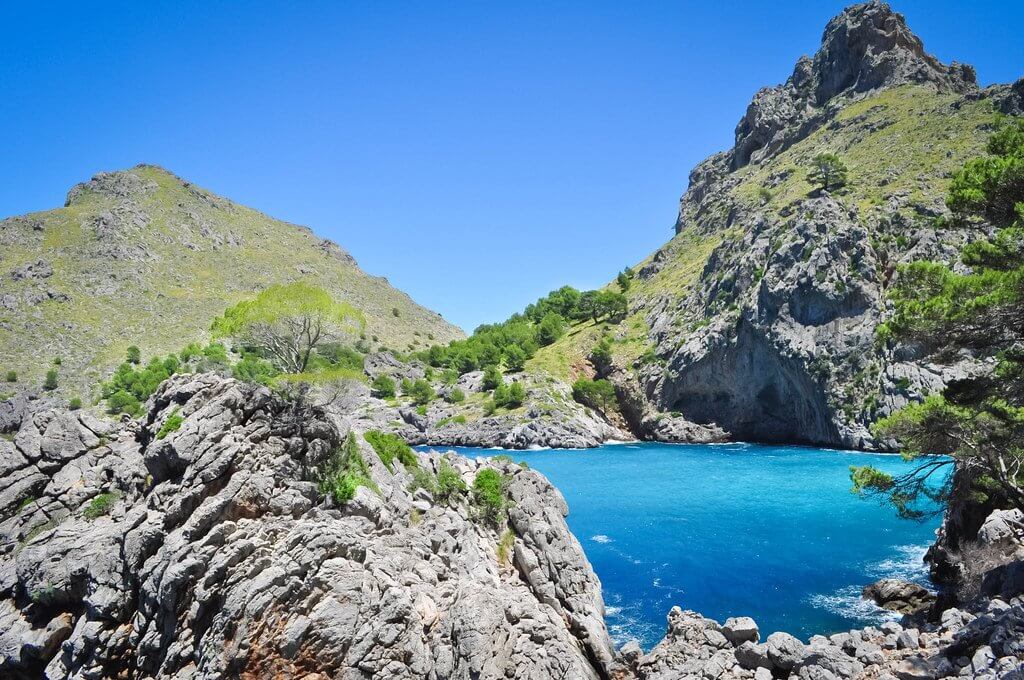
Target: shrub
point(515, 358)
point(422, 479)
point(57, 361)
point(172, 424)
point(449, 483)
point(133, 355)
point(75, 404)
point(421, 392)
point(123, 401)
point(344, 472)
point(389, 447)
point(505, 545)
point(827, 172)
point(599, 394)
point(510, 396)
point(100, 505)
point(254, 369)
point(12, 376)
point(550, 329)
point(489, 495)
point(51, 380)
point(394, 312)
point(383, 387)
point(490, 407)
point(455, 396)
point(492, 378)
point(601, 355)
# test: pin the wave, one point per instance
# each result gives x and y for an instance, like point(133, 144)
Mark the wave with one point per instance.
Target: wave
point(847, 603)
point(907, 565)
point(600, 538)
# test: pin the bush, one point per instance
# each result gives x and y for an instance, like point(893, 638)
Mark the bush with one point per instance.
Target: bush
point(449, 483)
point(172, 424)
point(422, 479)
point(515, 358)
point(455, 396)
point(100, 505)
point(510, 396)
point(421, 392)
point(383, 387)
point(492, 378)
point(389, 447)
point(124, 401)
point(394, 312)
point(489, 495)
point(75, 404)
point(133, 355)
point(12, 376)
point(550, 329)
point(254, 369)
point(827, 172)
point(601, 355)
point(599, 394)
point(51, 380)
point(344, 472)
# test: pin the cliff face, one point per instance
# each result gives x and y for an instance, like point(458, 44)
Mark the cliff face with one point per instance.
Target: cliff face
point(762, 311)
point(207, 551)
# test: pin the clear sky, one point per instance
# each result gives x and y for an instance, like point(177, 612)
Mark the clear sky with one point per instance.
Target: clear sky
point(477, 154)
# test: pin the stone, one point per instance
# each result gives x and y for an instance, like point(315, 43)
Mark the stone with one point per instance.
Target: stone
point(784, 650)
point(751, 655)
point(908, 639)
point(740, 629)
point(899, 596)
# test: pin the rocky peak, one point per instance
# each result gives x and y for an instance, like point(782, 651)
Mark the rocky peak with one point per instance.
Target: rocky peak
point(866, 47)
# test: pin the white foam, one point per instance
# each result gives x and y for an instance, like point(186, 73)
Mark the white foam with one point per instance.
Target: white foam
point(908, 565)
point(848, 603)
point(600, 538)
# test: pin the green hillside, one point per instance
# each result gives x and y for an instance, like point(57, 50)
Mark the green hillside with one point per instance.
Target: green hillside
point(142, 257)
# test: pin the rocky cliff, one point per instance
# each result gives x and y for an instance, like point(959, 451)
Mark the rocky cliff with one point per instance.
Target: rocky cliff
point(203, 548)
point(142, 257)
point(759, 316)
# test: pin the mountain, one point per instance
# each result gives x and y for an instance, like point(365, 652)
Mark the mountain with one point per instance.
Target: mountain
point(760, 315)
point(142, 257)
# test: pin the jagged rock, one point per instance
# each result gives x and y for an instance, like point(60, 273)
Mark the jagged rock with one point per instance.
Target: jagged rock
point(899, 596)
point(217, 534)
point(784, 650)
point(740, 629)
point(40, 269)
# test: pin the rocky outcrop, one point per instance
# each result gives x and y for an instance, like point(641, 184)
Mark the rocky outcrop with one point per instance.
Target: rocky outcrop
point(139, 549)
point(899, 596)
point(866, 47)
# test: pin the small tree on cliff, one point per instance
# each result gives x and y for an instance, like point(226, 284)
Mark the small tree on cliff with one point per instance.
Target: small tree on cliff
point(287, 323)
point(977, 422)
point(828, 172)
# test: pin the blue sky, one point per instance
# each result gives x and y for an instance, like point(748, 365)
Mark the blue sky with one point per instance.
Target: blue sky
point(477, 154)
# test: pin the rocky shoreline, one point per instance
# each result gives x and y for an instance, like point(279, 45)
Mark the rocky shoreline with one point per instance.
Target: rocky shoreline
point(208, 552)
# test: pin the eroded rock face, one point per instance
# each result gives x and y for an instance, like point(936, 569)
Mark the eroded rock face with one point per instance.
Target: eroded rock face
point(211, 553)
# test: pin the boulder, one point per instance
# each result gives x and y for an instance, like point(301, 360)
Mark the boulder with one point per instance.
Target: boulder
point(899, 596)
point(740, 629)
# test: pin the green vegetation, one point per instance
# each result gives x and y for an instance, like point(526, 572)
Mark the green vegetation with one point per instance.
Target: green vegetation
point(449, 483)
point(509, 396)
point(828, 172)
point(390, 447)
point(344, 472)
point(599, 394)
point(492, 378)
point(489, 495)
point(455, 396)
point(12, 376)
point(172, 424)
point(383, 387)
point(978, 423)
point(50, 383)
point(133, 355)
point(286, 323)
point(74, 404)
point(421, 392)
point(505, 545)
point(100, 505)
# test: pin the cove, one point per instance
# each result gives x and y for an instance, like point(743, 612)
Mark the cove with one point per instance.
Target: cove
point(771, 532)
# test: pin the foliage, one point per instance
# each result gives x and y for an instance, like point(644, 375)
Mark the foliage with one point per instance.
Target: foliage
point(133, 355)
point(449, 483)
point(421, 392)
point(993, 185)
point(74, 404)
point(344, 472)
point(455, 396)
point(51, 380)
point(383, 386)
point(254, 369)
point(286, 323)
point(172, 424)
point(130, 386)
point(492, 378)
point(12, 376)
point(550, 328)
point(625, 278)
point(422, 479)
point(100, 505)
point(601, 355)
point(599, 394)
point(515, 358)
point(828, 172)
point(505, 545)
point(489, 495)
point(389, 447)
point(510, 396)
point(977, 422)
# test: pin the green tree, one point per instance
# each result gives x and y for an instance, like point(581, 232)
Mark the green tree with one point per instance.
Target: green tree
point(992, 186)
point(421, 392)
point(492, 378)
point(601, 355)
point(599, 394)
point(828, 172)
point(455, 396)
point(449, 483)
point(51, 380)
point(286, 323)
point(133, 355)
point(977, 422)
point(510, 396)
point(383, 387)
point(625, 279)
point(489, 495)
point(550, 328)
point(515, 358)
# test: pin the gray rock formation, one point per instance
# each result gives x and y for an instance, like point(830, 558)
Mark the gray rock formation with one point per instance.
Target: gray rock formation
point(210, 553)
point(899, 596)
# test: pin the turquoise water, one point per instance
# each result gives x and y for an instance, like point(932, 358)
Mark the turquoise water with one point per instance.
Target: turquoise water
point(731, 530)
